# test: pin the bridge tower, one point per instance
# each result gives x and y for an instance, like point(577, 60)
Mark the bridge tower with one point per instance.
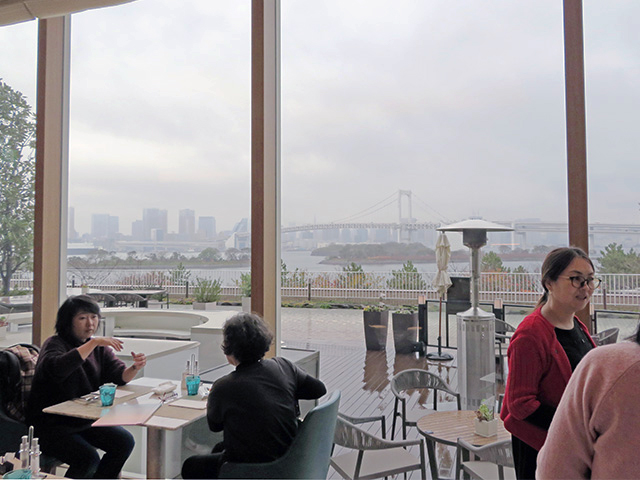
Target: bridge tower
point(404, 234)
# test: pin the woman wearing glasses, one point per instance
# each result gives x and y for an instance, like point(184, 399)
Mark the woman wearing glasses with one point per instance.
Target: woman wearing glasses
point(544, 351)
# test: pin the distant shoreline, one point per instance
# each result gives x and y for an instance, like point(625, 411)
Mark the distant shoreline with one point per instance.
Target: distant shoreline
point(458, 256)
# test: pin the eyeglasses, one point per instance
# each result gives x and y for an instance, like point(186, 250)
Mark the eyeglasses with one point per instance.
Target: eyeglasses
point(579, 281)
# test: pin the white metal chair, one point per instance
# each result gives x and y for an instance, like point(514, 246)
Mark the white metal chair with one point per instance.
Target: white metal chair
point(493, 461)
point(372, 456)
point(416, 379)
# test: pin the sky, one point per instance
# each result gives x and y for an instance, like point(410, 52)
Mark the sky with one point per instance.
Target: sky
point(462, 103)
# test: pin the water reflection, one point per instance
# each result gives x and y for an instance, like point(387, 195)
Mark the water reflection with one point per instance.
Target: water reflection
point(375, 373)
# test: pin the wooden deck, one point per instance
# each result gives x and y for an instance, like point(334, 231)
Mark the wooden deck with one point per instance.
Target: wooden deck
point(363, 378)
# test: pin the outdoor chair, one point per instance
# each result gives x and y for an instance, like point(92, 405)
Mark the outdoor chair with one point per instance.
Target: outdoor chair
point(372, 456)
point(504, 331)
point(606, 337)
point(106, 299)
point(126, 299)
point(492, 461)
point(416, 379)
point(307, 457)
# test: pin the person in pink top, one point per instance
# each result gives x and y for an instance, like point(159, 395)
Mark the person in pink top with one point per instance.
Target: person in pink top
point(543, 351)
point(594, 433)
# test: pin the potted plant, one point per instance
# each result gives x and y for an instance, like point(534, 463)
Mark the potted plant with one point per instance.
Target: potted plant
point(3, 327)
point(485, 421)
point(405, 329)
point(84, 289)
point(207, 293)
point(245, 290)
point(376, 324)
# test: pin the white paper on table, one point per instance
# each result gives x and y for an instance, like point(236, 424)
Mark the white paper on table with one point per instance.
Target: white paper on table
point(122, 393)
point(183, 402)
point(164, 422)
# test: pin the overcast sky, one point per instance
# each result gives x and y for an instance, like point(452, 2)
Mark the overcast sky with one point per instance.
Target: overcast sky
point(460, 102)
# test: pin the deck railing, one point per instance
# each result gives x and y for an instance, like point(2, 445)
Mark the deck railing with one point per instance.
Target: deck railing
point(617, 290)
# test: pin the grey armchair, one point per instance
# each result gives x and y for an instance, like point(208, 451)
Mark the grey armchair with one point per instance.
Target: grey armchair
point(492, 461)
point(372, 456)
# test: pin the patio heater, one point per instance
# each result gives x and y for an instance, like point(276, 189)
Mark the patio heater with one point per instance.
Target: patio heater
point(476, 328)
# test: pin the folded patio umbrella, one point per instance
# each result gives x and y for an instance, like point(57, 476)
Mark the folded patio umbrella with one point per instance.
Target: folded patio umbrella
point(441, 283)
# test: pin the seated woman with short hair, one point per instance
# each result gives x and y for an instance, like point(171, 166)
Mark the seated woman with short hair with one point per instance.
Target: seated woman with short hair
point(255, 406)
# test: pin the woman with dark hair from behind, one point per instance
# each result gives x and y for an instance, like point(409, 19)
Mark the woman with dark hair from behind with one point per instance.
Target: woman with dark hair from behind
point(71, 364)
point(255, 406)
point(543, 351)
point(594, 433)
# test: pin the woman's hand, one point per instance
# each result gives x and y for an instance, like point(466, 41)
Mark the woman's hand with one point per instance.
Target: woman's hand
point(139, 361)
point(114, 343)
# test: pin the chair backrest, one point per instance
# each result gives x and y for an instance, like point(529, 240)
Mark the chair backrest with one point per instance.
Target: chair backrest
point(307, 457)
point(499, 453)
point(418, 378)
point(608, 336)
point(504, 327)
point(349, 435)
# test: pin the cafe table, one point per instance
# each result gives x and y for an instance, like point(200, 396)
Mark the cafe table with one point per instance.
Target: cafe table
point(167, 417)
point(447, 427)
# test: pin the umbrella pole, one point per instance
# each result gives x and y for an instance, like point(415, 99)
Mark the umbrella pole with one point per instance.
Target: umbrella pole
point(439, 355)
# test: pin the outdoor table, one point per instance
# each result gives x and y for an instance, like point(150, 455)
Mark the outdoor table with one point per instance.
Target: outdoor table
point(146, 293)
point(448, 427)
point(166, 417)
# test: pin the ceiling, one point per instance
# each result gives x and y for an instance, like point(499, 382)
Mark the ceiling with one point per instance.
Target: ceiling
point(16, 11)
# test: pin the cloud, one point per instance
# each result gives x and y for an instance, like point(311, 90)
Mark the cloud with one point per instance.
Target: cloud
point(460, 102)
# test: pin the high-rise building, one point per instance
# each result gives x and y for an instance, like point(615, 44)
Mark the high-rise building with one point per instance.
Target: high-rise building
point(71, 224)
point(104, 225)
point(207, 227)
point(154, 219)
point(186, 224)
point(137, 230)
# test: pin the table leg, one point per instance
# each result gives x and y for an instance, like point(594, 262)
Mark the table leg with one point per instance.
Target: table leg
point(433, 461)
point(155, 452)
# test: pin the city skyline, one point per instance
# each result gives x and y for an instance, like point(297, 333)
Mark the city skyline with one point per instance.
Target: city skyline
point(426, 96)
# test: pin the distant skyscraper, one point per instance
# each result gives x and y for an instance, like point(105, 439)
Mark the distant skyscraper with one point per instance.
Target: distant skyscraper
point(241, 227)
point(137, 230)
point(154, 219)
point(187, 223)
point(104, 225)
point(100, 225)
point(71, 224)
point(207, 227)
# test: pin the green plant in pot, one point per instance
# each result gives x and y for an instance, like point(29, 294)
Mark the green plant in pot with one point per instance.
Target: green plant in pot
point(206, 293)
point(485, 422)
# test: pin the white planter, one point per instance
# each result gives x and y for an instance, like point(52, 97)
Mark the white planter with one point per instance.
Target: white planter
point(246, 304)
point(205, 305)
point(3, 331)
point(486, 429)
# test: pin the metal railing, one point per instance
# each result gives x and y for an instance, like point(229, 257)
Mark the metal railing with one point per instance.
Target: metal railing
point(617, 290)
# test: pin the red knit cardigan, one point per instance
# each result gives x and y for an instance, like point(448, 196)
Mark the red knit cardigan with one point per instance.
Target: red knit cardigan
point(539, 371)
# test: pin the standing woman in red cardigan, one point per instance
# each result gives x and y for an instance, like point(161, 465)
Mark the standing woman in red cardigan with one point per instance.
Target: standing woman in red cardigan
point(544, 351)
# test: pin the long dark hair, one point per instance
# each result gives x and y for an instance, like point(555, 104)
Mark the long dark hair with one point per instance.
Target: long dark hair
point(69, 309)
point(556, 261)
